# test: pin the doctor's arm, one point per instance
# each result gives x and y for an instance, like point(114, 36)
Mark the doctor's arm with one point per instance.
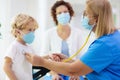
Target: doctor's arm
point(75, 68)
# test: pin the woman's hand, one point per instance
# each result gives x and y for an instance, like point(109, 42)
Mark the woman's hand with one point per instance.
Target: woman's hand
point(56, 77)
point(75, 78)
point(35, 60)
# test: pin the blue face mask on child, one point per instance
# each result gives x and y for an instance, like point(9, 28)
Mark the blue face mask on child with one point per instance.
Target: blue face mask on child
point(63, 18)
point(29, 37)
point(85, 23)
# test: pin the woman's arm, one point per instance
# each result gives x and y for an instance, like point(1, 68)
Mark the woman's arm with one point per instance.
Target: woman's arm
point(8, 69)
point(75, 68)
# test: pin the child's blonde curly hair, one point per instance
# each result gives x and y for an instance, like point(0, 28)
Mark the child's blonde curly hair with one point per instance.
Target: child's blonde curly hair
point(21, 21)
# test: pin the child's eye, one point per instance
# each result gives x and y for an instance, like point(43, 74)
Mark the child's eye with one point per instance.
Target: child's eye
point(30, 29)
point(33, 29)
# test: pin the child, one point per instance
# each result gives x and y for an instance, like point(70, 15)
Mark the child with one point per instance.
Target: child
point(16, 66)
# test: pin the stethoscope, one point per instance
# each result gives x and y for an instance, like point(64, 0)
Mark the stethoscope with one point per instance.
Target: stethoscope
point(84, 44)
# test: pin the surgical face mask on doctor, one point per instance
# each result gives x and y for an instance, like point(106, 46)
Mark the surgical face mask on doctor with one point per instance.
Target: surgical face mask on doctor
point(85, 23)
point(63, 18)
point(29, 37)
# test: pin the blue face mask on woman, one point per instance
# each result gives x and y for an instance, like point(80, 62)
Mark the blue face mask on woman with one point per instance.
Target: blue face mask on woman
point(63, 18)
point(29, 37)
point(85, 23)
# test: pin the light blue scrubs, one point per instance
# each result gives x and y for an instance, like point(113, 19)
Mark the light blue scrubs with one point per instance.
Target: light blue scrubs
point(103, 57)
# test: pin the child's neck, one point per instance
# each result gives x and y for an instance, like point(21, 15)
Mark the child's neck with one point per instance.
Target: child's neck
point(21, 41)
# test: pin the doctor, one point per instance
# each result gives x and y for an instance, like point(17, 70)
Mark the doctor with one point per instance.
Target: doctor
point(102, 59)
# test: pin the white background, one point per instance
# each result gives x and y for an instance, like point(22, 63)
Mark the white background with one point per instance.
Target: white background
point(40, 10)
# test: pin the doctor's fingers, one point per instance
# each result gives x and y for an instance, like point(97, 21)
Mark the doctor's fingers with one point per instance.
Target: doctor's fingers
point(29, 57)
point(33, 59)
point(56, 58)
point(61, 56)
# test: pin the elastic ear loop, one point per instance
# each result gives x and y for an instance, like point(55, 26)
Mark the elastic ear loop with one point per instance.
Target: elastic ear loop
point(75, 54)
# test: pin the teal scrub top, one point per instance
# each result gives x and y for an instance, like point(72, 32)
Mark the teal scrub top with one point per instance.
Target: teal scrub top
point(103, 57)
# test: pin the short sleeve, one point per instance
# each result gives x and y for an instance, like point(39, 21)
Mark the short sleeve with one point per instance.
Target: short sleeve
point(11, 51)
point(98, 56)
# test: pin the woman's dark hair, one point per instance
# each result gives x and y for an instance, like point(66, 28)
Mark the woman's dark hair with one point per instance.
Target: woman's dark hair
point(57, 4)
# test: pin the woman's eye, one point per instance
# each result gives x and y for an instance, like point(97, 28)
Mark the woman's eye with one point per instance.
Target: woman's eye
point(65, 11)
point(59, 13)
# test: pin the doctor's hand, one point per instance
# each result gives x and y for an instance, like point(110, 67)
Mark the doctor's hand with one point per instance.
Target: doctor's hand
point(58, 56)
point(35, 60)
point(54, 57)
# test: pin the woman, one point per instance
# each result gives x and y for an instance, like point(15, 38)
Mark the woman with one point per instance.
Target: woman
point(101, 61)
point(65, 39)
